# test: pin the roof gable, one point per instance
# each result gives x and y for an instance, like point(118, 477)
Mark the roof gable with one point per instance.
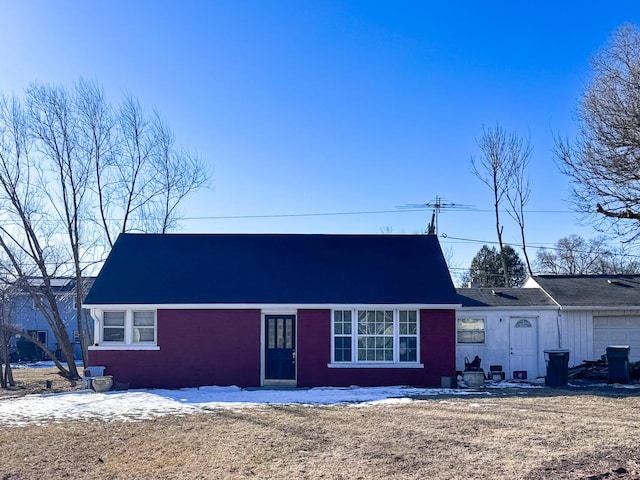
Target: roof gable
point(591, 290)
point(291, 269)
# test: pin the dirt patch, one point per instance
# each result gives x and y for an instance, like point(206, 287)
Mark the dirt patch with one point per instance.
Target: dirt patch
point(39, 380)
point(529, 434)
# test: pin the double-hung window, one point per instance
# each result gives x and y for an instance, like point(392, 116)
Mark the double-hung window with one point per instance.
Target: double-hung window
point(137, 327)
point(114, 327)
point(408, 325)
point(471, 330)
point(144, 326)
point(342, 331)
point(369, 336)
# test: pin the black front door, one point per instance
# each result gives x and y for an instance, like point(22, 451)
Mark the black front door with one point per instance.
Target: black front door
point(280, 347)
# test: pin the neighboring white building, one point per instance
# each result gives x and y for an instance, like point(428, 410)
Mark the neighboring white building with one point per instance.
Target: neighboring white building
point(595, 311)
point(510, 327)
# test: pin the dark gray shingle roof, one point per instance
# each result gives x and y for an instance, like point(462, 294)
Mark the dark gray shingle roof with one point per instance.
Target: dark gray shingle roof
point(503, 297)
point(291, 269)
point(592, 290)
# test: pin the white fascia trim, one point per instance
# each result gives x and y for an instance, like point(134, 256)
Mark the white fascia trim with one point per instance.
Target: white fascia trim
point(374, 365)
point(269, 306)
point(124, 347)
point(548, 295)
point(505, 309)
point(600, 308)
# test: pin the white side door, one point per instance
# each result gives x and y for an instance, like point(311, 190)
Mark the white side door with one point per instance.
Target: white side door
point(523, 338)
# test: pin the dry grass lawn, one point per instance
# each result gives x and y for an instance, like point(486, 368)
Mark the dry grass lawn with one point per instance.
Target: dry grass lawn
point(543, 434)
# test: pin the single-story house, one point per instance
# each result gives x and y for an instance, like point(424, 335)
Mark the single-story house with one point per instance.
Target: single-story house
point(508, 327)
point(180, 310)
point(595, 311)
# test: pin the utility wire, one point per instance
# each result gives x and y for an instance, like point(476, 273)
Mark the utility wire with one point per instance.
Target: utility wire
point(373, 212)
point(535, 246)
point(317, 214)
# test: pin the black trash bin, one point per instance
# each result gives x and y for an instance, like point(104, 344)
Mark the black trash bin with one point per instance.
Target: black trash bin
point(557, 368)
point(618, 361)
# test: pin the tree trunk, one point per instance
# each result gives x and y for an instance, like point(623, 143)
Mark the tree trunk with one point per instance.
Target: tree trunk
point(499, 232)
point(6, 374)
point(524, 252)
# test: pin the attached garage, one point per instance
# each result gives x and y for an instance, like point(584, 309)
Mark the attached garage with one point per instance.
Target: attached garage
point(617, 330)
point(595, 311)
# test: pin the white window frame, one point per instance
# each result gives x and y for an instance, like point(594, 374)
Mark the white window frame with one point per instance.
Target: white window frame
point(122, 329)
point(135, 327)
point(342, 334)
point(395, 363)
point(129, 337)
point(472, 317)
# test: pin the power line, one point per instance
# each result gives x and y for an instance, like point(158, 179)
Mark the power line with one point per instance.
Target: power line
point(536, 246)
point(373, 212)
point(287, 215)
point(408, 209)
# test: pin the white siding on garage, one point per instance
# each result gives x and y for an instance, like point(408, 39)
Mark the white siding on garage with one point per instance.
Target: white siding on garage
point(617, 330)
point(577, 335)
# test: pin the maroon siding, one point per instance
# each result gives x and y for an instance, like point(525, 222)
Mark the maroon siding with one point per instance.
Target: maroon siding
point(437, 349)
point(222, 347)
point(197, 347)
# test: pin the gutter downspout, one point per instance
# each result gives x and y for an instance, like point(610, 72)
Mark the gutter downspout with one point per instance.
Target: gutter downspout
point(95, 315)
point(558, 320)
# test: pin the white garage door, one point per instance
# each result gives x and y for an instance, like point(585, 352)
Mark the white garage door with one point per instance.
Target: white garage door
point(616, 331)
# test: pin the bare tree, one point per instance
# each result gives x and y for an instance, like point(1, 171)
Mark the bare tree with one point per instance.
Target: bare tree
point(502, 168)
point(602, 162)
point(74, 173)
point(6, 374)
point(574, 255)
point(518, 188)
point(492, 169)
point(178, 174)
point(28, 239)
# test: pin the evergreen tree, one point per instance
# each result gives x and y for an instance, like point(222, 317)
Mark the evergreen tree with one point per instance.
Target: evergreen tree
point(487, 268)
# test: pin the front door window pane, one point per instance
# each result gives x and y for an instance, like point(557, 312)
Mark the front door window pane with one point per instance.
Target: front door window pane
point(280, 333)
point(289, 333)
point(271, 335)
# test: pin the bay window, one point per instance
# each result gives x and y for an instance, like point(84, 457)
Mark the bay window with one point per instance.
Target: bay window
point(369, 336)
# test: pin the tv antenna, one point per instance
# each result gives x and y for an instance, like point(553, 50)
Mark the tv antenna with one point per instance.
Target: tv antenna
point(437, 205)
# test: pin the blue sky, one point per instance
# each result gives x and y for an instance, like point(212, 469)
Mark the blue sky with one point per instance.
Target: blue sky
point(305, 107)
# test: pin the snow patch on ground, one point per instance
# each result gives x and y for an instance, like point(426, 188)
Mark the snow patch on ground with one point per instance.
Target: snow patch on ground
point(137, 405)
